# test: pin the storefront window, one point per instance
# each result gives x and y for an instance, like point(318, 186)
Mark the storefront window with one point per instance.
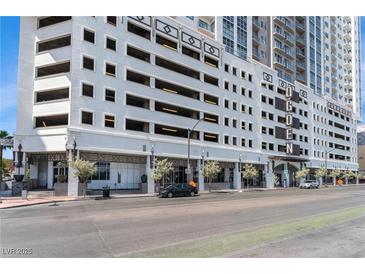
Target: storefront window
point(59, 168)
point(102, 171)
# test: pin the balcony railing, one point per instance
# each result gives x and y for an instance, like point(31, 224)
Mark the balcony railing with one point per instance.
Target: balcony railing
point(284, 21)
point(301, 39)
point(255, 23)
point(284, 65)
point(255, 38)
point(300, 52)
point(301, 77)
point(300, 26)
point(279, 19)
point(301, 64)
point(285, 50)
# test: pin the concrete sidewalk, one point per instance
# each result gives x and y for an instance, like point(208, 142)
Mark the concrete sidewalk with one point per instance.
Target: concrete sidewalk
point(12, 202)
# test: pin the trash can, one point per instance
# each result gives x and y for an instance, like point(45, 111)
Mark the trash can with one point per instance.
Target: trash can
point(106, 192)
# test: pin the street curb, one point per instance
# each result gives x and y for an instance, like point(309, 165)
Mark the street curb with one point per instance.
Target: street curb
point(76, 199)
point(38, 203)
point(128, 197)
point(157, 195)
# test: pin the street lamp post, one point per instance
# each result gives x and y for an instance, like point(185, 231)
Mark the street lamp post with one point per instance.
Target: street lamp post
point(152, 167)
point(188, 170)
point(152, 157)
point(203, 159)
point(240, 169)
point(74, 151)
point(202, 162)
point(325, 163)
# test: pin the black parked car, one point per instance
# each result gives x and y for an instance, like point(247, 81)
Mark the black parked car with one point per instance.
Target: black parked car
point(178, 190)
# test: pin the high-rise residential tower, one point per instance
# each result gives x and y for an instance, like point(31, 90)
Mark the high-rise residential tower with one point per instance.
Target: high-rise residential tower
point(126, 91)
point(321, 52)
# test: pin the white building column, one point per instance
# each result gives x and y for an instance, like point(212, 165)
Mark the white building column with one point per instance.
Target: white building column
point(237, 184)
point(24, 164)
point(200, 176)
point(72, 180)
point(270, 176)
point(152, 82)
point(270, 182)
point(152, 59)
point(150, 182)
point(226, 175)
point(152, 105)
point(151, 124)
point(49, 175)
point(285, 175)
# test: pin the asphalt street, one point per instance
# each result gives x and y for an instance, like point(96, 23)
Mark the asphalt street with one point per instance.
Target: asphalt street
point(328, 222)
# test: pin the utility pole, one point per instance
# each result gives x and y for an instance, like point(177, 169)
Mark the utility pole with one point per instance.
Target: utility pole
point(325, 162)
point(188, 170)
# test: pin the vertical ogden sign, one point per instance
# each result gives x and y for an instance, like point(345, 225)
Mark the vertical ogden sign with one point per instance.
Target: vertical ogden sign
point(289, 120)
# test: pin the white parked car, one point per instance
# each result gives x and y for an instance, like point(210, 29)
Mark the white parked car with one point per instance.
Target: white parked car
point(309, 184)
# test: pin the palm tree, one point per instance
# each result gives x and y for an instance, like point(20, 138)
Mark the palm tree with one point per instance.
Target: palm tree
point(4, 144)
point(83, 170)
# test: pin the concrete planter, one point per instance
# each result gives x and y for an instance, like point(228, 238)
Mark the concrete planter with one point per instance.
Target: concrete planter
point(60, 189)
point(81, 189)
point(61, 178)
point(143, 187)
point(16, 188)
point(218, 186)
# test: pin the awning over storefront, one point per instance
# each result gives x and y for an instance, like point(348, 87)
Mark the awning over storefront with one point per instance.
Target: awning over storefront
point(50, 156)
point(289, 158)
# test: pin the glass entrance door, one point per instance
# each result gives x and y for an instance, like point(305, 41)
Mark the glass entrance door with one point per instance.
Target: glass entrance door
point(178, 175)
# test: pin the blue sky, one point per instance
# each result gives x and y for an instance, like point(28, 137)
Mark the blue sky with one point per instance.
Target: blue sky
point(9, 37)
